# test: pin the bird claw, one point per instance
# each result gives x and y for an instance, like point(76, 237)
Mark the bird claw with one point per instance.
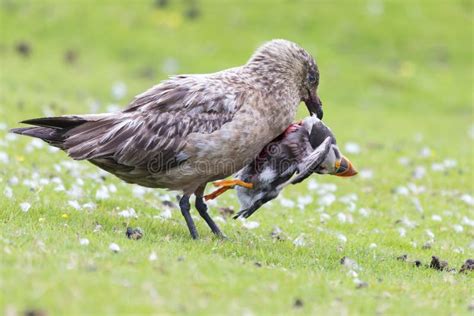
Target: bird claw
point(243, 213)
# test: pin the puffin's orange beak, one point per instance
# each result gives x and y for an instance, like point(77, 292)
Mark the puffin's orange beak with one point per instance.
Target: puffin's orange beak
point(344, 168)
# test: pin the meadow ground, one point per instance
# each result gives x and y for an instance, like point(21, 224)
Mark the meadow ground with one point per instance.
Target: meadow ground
point(396, 81)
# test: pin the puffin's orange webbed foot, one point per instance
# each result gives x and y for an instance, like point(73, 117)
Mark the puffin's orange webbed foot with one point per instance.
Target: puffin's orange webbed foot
point(216, 193)
point(233, 182)
point(226, 185)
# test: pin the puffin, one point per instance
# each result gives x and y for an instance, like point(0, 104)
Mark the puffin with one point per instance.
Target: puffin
point(192, 129)
point(304, 148)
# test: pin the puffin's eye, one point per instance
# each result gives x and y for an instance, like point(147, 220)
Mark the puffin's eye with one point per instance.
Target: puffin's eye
point(312, 78)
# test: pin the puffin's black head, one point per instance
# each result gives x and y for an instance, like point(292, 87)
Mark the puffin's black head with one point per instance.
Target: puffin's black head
point(318, 131)
point(335, 162)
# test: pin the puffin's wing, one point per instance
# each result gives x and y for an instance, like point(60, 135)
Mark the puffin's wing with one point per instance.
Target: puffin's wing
point(307, 166)
point(154, 127)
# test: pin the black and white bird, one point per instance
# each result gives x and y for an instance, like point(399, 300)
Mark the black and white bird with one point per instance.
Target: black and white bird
point(306, 147)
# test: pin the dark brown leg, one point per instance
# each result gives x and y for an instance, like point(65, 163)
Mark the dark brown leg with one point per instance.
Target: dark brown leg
point(185, 207)
point(202, 209)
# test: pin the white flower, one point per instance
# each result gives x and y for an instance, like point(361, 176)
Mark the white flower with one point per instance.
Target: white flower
point(312, 184)
point(430, 234)
point(352, 148)
point(128, 213)
point(450, 163)
point(25, 206)
point(89, 205)
point(402, 231)
point(14, 180)
point(102, 193)
point(436, 218)
point(341, 237)
point(59, 188)
point(299, 241)
point(112, 108)
point(37, 143)
point(153, 256)
point(404, 161)
point(439, 167)
point(342, 217)
point(419, 172)
point(470, 132)
point(324, 217)
point(402, 190)
point(219, 219)
point(119, 90)
point(375, 7)
point(11, 137)
point(408, 223)
point(44, 181)
point(458, 228)
point(250, 224)
point(425, 152)
point(326, 188)
point(112, 188)
point(418, 137)
point(84, 241)
point(366, 174)
point(373, 246)
point(4, 157)
point(467, 221)
point(8, 192)
point(56, 180)
point(166, 214)
point(351, 207)
point(364, 212)
point(349, 198)
point(138, 191)
point(170, 66)
point(448, 213)
point(305, 200)
point(74, 204)
point(327, 199)
point(468, 199)
point(287, 203)
point(415, 189)
point(75, 191)
point(417, 204)
point(114, 247)
point(97, 228)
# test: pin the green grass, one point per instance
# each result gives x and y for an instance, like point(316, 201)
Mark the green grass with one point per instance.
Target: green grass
point(396, 77)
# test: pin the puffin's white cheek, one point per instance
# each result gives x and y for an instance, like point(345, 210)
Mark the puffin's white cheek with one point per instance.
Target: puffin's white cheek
point(326, 166)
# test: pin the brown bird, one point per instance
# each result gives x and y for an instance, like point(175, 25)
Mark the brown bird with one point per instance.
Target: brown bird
point(193, 129)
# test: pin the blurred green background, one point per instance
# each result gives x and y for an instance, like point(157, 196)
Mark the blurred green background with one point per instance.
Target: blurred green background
point(396, 80)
